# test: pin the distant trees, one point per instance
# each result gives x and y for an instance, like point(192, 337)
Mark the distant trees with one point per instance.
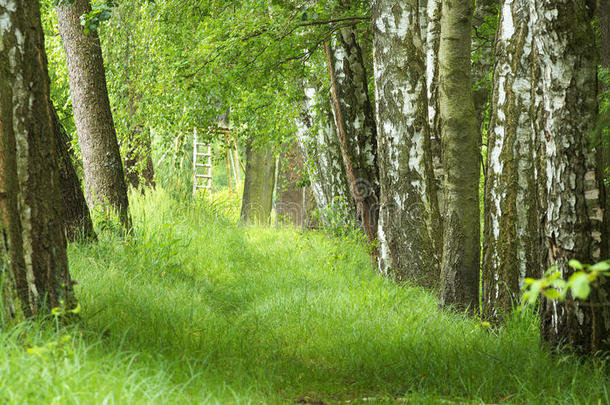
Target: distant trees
point(259, 184)
point(102, 163)
point(33, 241)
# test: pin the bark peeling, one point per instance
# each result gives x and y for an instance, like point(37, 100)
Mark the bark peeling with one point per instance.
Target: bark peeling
point(408, 206)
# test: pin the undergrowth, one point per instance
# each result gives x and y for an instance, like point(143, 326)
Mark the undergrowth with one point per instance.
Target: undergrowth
point(193, 308)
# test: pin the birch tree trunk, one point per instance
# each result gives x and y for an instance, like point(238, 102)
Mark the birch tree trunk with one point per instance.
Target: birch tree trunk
point(567, 61)
point(77, 218)
point(30, 194)
point(461, 159)
point(355, 125)
point(512, 247)
point(102, 164)
point(409, 225)
point(433, 31)
point(317, 134)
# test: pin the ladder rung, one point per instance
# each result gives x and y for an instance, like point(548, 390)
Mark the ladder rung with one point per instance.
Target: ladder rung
point(208, 187)
point(202, 165)
point(201, 144)
point(203, 176)
point(204, 154)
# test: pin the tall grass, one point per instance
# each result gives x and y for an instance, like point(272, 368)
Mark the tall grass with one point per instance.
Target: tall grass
point(193, 308)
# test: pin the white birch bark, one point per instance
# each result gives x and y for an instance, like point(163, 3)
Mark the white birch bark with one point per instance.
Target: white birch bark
point(408, 248)
point(317, 135)
point(512, 243)
point(567, 61)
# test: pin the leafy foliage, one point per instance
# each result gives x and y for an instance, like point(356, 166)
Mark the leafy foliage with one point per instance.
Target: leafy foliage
point(554, 287)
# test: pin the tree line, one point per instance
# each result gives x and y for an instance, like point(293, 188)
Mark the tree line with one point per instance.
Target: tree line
point(423, 119)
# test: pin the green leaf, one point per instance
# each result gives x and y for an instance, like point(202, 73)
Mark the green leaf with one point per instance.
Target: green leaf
point(551, 293)
point(575, 264)
point(602, 266)
point(579, 286)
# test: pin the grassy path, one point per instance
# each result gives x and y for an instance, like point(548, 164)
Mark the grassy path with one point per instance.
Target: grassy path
point(192, 308)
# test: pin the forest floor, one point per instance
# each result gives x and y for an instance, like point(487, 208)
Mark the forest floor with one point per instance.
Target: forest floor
point(194, 308)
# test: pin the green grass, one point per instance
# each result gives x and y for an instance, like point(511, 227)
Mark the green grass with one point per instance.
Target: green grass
point(193, 308)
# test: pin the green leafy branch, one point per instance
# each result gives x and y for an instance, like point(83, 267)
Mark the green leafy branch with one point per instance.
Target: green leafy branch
point(554, 287)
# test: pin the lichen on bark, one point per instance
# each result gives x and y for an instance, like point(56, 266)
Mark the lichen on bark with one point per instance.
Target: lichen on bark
point(409, 227)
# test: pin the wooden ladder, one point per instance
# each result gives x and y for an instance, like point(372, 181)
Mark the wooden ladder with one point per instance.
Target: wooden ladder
point(201, 180)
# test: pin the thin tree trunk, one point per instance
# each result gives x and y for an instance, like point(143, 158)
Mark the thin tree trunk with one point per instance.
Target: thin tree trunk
point(30, 194)
point(604, 150)
point(355, 124)
point(77, 218)
point(567, 60)
point(512, 243)
point(461, 158)
point(258, 185)
point(104, 176)
point(409, 224)
point(433, 37)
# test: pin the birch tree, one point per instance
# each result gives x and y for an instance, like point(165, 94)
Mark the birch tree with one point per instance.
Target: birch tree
point(513, 243)
point(355, 124)
point(317, 135)
point(433, 30)
point(567, 65)
point(408, 206)
point(30, 197)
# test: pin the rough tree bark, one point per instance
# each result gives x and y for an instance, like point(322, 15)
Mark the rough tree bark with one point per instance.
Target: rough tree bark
point(355, 124)
point(512, 247)
point(567, 63)
point(409, 224)
point(258, 184)
point(77, 218)
point(30, 196)
point(319, 141)
point(461, 159)
point(433, 31)
point(103, 168)
point(604, 152)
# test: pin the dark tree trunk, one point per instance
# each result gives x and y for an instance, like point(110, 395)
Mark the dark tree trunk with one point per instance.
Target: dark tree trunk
point(604, 150)
point(355, 124)
point(30, 193)
point(259, 184)
point(138, 160)
point(293, 205)
point(104, 177)
point(461, 159)
point(77, 218)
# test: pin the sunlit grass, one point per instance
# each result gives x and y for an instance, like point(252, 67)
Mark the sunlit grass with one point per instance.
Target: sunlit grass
point(193, 308)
